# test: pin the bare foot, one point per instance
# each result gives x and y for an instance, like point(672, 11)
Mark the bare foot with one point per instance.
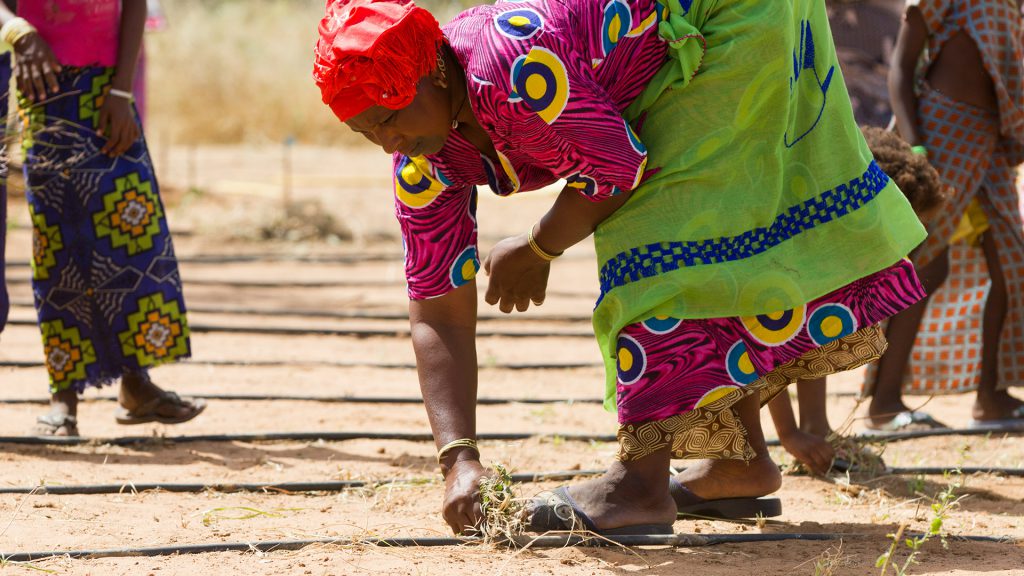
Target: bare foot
point(999, 405)
point(880, 415)
point(714, 479)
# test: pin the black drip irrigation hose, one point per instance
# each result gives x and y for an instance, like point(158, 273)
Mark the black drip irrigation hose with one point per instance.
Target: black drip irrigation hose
point(342, 485)
point(399, 332)
point(281, 487)
point(328, 436)
point(280, 436)
point(247, 258)
point(355, 314)
point(331, 399)
point(342, 364)
point(534, 542)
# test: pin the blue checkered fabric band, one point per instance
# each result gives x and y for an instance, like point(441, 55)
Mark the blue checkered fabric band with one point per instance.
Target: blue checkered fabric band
point(661, 257)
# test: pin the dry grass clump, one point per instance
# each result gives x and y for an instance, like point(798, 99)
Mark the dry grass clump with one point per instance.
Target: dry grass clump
point(503, 510)
point(230, 71)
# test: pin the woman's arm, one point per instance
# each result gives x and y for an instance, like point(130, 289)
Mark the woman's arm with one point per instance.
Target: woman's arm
point(518, 275)
point(444, 339)
point(117, 120)
point(909, 45)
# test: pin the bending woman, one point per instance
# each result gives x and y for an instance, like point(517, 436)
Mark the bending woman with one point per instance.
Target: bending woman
point(738, 215)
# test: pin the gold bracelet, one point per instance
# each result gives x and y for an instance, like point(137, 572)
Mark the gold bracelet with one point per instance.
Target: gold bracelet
point(15, 29)
point(538, 250)
point(461, 442)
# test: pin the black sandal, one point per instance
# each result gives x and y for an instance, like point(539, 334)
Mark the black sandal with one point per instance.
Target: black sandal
point(557, 511)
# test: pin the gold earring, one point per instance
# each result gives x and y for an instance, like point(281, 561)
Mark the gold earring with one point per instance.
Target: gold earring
point(441, 65)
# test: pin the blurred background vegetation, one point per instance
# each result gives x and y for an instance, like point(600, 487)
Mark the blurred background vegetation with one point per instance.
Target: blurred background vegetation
point(240, 71)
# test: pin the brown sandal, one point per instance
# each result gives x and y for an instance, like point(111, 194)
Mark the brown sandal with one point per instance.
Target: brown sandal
point(150, 411)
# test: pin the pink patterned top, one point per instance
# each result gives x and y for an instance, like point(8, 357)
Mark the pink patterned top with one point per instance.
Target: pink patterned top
point(80, 32)
point(548, 80)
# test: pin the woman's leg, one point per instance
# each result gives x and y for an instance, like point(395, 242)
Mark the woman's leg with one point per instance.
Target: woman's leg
point(887, 395)
point(713, 479)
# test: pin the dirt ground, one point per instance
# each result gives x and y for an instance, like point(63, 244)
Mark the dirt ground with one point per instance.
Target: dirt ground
point(347, 289)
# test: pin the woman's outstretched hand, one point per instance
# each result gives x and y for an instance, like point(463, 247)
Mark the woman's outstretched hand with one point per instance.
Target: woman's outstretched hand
point(461, 495)
point(35, 67)
point(518, 275)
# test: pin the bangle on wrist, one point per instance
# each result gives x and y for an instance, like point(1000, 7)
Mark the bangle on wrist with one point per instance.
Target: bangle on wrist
point(919, 149)
point(121, 94)
point(15, 29)
point(540, 252)
point(460, 443)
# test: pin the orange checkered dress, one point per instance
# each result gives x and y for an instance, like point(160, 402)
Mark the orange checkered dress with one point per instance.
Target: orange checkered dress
point(976, 152)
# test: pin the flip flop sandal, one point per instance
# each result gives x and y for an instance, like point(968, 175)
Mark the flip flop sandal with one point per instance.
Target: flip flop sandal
point(49, 424)
point(689, 504)
point(148, 412)
point(906, 421)
point(557, 511)
point(1015, 423)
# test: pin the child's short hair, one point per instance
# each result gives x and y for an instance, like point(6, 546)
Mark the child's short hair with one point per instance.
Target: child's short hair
point(918, 180)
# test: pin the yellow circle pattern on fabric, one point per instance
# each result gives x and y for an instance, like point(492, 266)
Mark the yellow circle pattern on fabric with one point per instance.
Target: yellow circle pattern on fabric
point(416, 185)
point(519, 24)
point(716, 393)
point(617, 21)
point(739, 365)
point(775, 328)
point(542, 83)
point(465, 267)
point(631, 360)
point(831, 322)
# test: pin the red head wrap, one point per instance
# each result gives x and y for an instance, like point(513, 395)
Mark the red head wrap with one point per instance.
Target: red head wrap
point(373, 52)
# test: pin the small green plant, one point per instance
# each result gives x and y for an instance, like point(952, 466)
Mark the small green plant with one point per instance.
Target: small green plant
point(916, 485)
point(942, 504)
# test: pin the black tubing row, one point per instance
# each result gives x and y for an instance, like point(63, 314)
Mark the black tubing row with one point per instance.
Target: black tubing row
point(329, 436)
point(331, 399)
point(354, 314)
point(536, 542)
point(342, 364)
point(342, 485)
point(398, 332)
point(282, 487)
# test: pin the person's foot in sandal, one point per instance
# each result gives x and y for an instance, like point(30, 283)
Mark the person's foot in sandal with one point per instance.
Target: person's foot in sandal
point(728, 489)
point(143, 401)
point(619, 502)
point(62, 419)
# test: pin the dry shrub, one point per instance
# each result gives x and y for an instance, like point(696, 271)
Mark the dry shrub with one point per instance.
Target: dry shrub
point(228, 71)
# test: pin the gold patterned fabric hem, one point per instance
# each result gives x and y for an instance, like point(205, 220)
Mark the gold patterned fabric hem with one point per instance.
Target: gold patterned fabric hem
point(715, 430)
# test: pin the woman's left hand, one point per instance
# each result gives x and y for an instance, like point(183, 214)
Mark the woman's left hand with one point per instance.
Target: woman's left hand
point(117, 125)
point(518, 275)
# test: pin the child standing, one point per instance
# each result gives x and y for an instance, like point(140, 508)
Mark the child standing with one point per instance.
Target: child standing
point(956, 88)
point(104, 274)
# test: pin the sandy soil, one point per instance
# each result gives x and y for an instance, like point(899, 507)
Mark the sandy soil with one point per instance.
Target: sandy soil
point(282, 286)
